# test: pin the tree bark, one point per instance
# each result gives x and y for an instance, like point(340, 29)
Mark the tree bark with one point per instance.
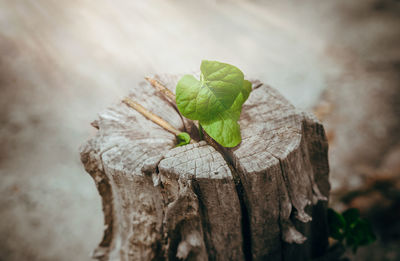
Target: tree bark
point(262, 200)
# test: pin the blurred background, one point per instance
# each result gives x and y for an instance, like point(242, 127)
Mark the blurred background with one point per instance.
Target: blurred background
point(62, 62)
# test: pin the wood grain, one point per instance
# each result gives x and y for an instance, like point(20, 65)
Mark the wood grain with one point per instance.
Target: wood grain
point(263, 199)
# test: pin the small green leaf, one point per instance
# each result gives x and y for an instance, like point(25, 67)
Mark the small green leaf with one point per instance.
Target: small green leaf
point(224, 129)
point(365, 233)
point(350, 228)
point(359, 233)
point(219, 85)
point(351, 216)
point(183, 139)
point(336, 224)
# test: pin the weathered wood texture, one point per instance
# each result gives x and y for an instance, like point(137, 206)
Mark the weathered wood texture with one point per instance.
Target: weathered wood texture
point(262, 200)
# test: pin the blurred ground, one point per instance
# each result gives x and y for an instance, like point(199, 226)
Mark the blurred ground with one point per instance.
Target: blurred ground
point(61, 62)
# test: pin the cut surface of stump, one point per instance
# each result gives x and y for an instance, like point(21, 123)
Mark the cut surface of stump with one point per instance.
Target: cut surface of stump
point(262, 200)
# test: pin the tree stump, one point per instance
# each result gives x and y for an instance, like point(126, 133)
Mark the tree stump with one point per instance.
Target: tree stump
point(262, 200)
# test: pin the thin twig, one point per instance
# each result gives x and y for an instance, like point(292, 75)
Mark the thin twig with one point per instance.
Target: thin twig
point(169, 97)
point(151, 116)
point(161, 88)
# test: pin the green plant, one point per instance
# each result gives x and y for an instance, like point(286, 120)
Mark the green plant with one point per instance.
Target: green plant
point(215, 100)
point(183, 139)
point(349, 229)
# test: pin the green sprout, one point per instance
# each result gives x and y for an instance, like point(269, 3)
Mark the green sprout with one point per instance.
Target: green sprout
point(183, 139)
point(349, 229)
point(215, 100)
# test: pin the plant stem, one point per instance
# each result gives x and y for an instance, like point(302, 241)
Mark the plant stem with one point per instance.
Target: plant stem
point(151, 116)
point(161, 88)
point(201, 132)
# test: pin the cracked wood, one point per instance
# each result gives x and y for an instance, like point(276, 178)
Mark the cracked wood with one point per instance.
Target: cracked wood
point(166, 203)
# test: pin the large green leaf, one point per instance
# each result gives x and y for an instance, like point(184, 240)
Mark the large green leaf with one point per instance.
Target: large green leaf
point(223, 128)
point(187, 97)
point(215, 100)
point(236, 107)
point(217, 90)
